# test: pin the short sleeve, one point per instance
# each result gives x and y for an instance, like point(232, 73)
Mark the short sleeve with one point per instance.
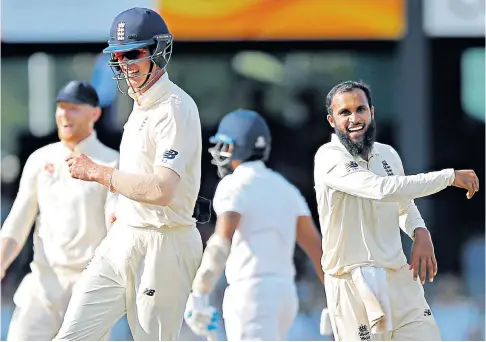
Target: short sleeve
point(302, 207)
point(229, 197)
point(176, 135)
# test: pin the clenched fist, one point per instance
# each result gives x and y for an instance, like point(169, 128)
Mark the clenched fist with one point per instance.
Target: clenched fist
point(81, 167)
point(467, 179)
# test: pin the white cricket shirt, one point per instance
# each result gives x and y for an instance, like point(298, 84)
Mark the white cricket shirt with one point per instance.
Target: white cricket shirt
point(163, 130)
point(363, 204)
point(263, 244)
point(71, 215)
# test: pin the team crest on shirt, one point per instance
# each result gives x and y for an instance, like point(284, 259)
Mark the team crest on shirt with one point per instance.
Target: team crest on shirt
point(387, 168)
point(49, 168)
point(363, 333)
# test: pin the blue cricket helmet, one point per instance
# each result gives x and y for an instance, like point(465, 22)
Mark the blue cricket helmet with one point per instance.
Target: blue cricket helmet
point(134, 29)
point(242, 135)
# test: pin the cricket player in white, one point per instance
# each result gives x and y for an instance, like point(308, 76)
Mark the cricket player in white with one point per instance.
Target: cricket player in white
point(71, 217)
point(146, 265)
point(260, 217)
point(363, 197)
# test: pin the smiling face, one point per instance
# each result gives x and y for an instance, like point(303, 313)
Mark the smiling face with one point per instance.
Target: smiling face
point(137, 67)
point(75, 121)
point(353, 121)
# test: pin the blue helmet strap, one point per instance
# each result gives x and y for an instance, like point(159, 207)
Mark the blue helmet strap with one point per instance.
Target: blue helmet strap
point(146, 77)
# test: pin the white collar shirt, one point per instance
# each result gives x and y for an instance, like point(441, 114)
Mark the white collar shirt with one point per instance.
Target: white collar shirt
point(263, 244)
point(163, 129)
point(363, 204)
point(72, 216)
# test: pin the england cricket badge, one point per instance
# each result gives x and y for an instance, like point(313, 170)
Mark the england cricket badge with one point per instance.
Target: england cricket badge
point(120, 31)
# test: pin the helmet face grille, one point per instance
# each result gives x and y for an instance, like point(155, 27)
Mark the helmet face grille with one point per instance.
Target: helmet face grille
point(220, 153)
point(221, 158)
point(159, 55)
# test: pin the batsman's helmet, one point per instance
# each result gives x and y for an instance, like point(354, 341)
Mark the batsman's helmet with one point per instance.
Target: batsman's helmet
point(242, 135)
point(132, 30)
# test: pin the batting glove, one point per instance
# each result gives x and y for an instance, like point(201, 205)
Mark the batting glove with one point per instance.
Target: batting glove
point(325, 325)
point(201, 317)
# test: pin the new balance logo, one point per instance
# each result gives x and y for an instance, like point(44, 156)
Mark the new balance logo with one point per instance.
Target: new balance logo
point(352, 165)
point(149, 292)
point(170, 154)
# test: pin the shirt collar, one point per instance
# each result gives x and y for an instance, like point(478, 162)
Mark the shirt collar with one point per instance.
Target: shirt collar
point(86, 144)
point(374, 152)
point(251, 166)
point(153, 93)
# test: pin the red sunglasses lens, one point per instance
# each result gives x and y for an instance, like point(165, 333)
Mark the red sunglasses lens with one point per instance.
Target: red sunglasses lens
point(130, 55)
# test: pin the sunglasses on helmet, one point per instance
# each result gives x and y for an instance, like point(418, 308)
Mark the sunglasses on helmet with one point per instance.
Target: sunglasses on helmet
point(129, 55)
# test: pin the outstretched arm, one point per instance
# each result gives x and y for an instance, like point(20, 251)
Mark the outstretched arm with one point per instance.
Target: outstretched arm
point(339, 171)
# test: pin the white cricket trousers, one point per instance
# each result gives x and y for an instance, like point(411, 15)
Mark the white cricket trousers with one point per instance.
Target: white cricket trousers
point(260, 309)
point(145, 273)
point(411, 316)
point(40, 301)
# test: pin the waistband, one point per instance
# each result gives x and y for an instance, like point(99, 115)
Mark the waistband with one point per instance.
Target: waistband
point(163, 229)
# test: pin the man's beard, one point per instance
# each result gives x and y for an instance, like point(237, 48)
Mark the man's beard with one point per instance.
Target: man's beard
point(363, 145)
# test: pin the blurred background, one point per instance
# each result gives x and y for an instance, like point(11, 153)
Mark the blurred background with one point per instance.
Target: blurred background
point(424, 61)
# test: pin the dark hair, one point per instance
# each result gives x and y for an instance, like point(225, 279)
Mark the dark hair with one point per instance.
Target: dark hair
point(258, 155)
point(346, 87)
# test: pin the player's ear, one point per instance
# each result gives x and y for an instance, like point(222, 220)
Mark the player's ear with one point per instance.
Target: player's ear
point(330, 119)
point(96, 113)
point(372, 111)
point(235, 163)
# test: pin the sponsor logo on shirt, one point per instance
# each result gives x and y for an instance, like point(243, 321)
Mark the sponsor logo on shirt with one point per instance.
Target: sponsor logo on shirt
point(170, 154)
point(149, 292)
point(352, 165)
